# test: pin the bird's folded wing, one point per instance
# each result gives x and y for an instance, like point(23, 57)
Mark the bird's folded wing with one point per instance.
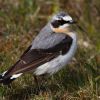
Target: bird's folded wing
point(29, 62)
point(32, 58)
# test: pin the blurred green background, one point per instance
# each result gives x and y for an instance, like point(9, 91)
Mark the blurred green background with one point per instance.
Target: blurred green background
point(20, 22)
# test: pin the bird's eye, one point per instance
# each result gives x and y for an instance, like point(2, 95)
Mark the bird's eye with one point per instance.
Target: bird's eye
point(58, 23)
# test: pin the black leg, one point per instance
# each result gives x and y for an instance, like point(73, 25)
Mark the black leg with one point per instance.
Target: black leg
point(37, 84)
point(40, 83)
point(9, 86)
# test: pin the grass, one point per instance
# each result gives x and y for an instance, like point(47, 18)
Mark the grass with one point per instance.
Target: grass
point(20, 22)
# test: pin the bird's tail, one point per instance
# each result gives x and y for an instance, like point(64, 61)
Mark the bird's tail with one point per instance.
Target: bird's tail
point(6, 80)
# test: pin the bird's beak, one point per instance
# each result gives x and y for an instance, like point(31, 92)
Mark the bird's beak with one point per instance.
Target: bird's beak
point(73, 22)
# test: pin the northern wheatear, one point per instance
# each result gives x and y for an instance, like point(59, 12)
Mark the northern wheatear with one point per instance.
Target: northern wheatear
point(50, 51)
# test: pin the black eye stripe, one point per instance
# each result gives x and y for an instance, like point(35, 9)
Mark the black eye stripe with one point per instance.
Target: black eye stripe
point(61, 22)
point(58, 23)
point(67, 21)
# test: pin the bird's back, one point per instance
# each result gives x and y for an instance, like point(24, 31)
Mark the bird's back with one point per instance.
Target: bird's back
point(47, 38)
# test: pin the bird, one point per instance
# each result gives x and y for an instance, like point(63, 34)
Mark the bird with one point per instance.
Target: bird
point(49, 52)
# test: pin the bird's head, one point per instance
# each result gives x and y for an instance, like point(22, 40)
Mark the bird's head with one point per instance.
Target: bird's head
point(61, 22)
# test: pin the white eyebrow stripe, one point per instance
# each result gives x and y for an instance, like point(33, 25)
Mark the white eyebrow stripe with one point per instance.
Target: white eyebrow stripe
point(67, 18)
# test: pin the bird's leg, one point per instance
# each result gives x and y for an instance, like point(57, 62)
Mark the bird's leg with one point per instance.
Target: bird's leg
point(37, 84)
point(40, 83)
point(9, 86)
point(44, 78)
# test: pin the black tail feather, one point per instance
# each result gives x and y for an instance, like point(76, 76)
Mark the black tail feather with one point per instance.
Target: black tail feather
point(7, 80)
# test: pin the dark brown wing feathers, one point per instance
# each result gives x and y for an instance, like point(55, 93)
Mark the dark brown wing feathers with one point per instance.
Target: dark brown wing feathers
point(36, 57)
